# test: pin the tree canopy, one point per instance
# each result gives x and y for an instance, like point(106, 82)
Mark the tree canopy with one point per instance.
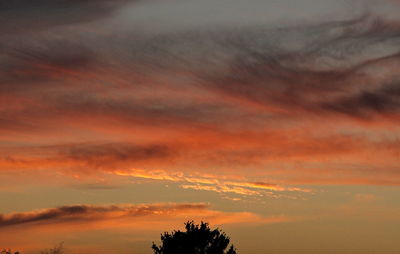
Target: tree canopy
point(198, 239)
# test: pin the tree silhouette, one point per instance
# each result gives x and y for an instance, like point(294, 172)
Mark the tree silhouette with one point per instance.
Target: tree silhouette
point(198, 239)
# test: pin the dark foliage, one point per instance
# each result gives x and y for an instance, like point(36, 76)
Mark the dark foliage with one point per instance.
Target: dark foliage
point(198, 239)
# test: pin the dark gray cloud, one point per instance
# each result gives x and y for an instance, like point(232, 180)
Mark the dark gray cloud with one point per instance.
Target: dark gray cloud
point(25, 15)
point(384, 100)
point(325, 71)
point(43, 65)
point(69, 214)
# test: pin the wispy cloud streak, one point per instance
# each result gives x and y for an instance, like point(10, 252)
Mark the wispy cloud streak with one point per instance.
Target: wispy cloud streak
point(209, 182)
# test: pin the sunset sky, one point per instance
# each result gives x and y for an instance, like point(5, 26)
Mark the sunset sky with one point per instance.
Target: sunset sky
point(277, 121)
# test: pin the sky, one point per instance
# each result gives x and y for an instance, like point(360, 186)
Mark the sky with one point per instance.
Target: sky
point(276, 121)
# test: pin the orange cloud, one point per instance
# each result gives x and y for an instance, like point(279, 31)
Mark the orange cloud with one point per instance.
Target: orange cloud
point(294, 158)
point(208, 182)
point(221, 189)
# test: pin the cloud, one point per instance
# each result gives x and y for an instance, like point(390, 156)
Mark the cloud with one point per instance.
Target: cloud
point(384, 100)
point(140, 214)
point(209, 182)
point(303, 82)
point(26, 15)
point(43, 62)
point(85, 157)
point(66, 214)
point(222, 189)
point(315, 76)
point(343, 159)
point(105, 154)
